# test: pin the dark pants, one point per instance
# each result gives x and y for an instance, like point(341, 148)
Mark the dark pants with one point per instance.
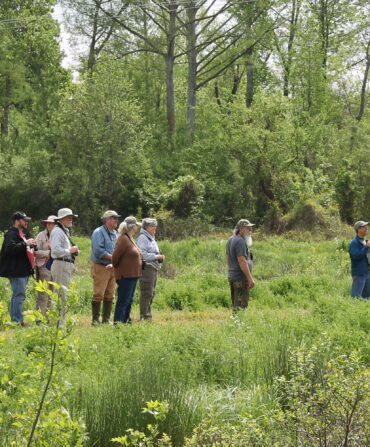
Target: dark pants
point(125, 297)
point(239, 294)
point(147, 291)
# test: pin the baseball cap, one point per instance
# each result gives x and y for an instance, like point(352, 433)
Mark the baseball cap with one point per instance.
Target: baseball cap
point(244, 223)
point(359, 224)
point(20, 215)
point(110, 213)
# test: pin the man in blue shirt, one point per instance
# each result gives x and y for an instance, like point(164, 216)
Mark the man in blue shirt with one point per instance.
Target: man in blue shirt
point(359, 254)
point(103, 241)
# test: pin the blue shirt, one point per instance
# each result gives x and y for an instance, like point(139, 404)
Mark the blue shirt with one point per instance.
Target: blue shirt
point(103, 242)
point(358, 254)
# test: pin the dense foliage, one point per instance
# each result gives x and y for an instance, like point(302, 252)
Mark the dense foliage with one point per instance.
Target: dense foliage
point(197, 108)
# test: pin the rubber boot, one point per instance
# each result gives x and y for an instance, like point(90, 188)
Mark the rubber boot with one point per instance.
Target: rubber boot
point(107, 309)
point(95, 305)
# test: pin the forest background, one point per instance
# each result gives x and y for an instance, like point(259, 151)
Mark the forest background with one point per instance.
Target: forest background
point(203, 109)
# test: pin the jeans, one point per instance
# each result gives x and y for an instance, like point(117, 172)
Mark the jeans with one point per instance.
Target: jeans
point(125, 297)
point(18, 286)
point(361, 286)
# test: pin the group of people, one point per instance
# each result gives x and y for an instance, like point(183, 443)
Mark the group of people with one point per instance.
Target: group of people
point(119, 262)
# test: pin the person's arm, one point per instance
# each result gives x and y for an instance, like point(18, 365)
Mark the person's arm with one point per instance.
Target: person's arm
point(245, 269)
point(144, 244)
point(98, 246)
point(357, 250)
point(13, 247)
point(120, 248)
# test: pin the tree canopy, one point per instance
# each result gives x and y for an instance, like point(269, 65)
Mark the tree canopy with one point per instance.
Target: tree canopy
point(198, 108)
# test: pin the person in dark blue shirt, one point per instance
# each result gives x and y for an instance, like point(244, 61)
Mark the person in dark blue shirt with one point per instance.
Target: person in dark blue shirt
point(359, 254)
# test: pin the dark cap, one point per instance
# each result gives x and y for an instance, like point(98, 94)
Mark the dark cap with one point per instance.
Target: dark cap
point(20, 215)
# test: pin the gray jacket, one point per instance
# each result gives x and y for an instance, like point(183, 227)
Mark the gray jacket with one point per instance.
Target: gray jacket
point(149, 247)
point(60, 244)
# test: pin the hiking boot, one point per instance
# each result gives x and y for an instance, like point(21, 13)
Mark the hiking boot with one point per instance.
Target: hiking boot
point(95, 305)
point(107, 309)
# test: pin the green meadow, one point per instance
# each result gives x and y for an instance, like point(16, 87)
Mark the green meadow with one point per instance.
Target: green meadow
point(291, 370)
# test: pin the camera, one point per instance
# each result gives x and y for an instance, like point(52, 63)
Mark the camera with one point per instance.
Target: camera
point(34, 247)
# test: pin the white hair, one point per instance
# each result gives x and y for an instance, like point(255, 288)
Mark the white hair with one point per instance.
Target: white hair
point(149, 222)
point(124, 227)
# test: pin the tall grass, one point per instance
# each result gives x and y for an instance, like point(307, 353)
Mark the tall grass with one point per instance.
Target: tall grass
point(197, 355)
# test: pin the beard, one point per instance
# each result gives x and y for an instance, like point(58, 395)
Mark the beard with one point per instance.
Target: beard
point(248, 240)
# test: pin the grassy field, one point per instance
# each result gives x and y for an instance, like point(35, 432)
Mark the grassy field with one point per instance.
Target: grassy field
point(220, 373)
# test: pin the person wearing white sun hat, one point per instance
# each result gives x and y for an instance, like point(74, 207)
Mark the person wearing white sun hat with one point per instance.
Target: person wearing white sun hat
point(63, 252)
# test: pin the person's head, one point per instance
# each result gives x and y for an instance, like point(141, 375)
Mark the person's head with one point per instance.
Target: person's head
point(243, 227)
point(20, 220)
point(65, 217)
point(110, 219)
point(361, 228)
point(129, 226)
point(150, 225)
point(49, 223)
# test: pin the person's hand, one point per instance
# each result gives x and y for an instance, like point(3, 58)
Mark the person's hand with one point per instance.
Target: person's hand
point(161, 257)
point(251, 283)
point(30, 241)
point(73, 249)
point(368, 242)
point(109, 266)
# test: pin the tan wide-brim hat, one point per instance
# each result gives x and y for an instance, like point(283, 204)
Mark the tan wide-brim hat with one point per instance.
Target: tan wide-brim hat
point(50, 219)
point(64, 212)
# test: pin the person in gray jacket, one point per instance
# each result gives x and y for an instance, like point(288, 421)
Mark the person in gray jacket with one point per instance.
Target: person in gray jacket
point(63, 253)
point(153, 259)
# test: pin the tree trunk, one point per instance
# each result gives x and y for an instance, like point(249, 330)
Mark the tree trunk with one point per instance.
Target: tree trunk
point(170, 86)
point(364, 83)
point(296, 5)
point(91, 58)
point(250, 77)
point(192, 69)
point(6, 107)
